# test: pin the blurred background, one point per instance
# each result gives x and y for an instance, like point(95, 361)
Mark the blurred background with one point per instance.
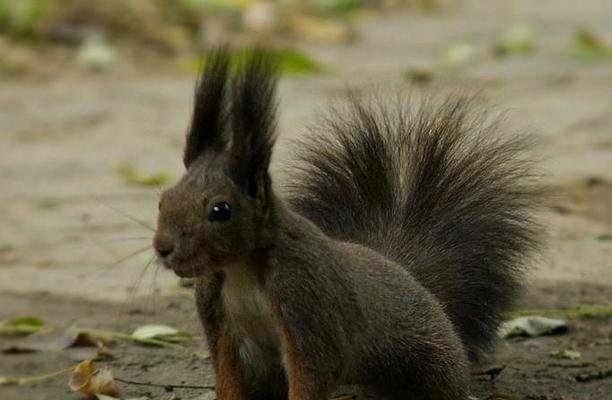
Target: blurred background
point(95, 99)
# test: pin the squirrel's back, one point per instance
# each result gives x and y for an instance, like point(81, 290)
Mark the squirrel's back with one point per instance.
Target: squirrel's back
point(436, 189)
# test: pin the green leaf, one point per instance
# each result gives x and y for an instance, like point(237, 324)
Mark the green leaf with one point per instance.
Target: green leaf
point(566, 354)
point(21, 326)
point(520, 39)
point(20, 18)
point(588, 47)
point(340, 8)
point(458, 55)
point(132, 175)
point(588, 311)
point(291, 61)
point(109, 336)
point(159, 332)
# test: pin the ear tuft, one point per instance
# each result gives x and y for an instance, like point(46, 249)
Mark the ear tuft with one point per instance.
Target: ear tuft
point(254, 121)
point(209, 120)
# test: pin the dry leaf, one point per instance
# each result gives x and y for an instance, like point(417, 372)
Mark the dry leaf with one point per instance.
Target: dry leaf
point(532, 326)
point(52, 340)
point(88, 380)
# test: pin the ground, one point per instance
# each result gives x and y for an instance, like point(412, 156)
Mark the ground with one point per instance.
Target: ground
point(67, 217)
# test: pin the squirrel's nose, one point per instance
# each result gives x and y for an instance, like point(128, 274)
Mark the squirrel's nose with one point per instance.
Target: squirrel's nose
point(163, 245)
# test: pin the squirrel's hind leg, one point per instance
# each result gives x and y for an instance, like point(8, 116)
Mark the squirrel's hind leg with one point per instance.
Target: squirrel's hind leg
point(435, 369)
point(422, 384)
point(273, 387)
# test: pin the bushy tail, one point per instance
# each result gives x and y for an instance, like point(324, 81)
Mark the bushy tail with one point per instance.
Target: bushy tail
point(435, 189)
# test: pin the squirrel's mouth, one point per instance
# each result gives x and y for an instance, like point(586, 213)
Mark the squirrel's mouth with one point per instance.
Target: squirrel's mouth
point(182, 270)
point(186, 273)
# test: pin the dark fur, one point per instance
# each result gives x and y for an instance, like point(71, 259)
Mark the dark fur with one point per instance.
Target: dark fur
point(411, 232)
point(254, 122)
point(436, 189)
point(209, 120)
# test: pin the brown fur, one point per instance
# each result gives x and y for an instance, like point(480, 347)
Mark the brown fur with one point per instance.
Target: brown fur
point(302, 381)
point(229, 384)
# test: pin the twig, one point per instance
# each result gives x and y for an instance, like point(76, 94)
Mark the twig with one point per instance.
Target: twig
point(21, 380)
point(168, 387)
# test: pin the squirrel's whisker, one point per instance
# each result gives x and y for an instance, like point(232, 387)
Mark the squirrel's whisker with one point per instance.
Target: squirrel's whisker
point(151, 301)
point(128, 216)
point(133, 288)
point(127, 257)
point(124, 239)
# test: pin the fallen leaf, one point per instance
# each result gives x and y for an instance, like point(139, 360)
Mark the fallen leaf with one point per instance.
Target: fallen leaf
point(458, 55)
point(291, 61)
point(589, 47)
point(520, 39)
point(159, 332)
point(566, 354)
point(110, 336)
point(605, 237)
point(96, 54)
point(21, 326)
point(532, 326)
point(420, 74)
point(53, 339)
point(132, 175)
point(101, 353)
point(589, 311)
point(88, 380)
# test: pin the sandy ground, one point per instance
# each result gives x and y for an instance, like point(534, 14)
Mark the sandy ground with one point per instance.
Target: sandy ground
point(64, 228)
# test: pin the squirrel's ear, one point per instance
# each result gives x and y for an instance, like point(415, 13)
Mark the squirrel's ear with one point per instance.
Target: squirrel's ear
point(209, 120)
point(254, 122)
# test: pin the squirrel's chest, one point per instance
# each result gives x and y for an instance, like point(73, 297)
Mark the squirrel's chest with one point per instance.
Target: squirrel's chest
point(249, 316)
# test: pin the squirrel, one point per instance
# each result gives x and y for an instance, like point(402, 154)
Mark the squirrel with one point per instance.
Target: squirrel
point(401, 241)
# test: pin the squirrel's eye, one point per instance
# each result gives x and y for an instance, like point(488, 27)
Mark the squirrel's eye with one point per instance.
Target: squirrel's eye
point(220, 212)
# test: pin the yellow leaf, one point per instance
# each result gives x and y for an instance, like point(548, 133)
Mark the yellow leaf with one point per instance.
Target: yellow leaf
point(88, 380)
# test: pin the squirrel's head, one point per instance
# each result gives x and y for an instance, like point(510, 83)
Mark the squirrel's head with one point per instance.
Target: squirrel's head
point(221, 210)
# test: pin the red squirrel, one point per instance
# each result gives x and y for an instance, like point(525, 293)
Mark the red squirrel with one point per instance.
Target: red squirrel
point(388, 263)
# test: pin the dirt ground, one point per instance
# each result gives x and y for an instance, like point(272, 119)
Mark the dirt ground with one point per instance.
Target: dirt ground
point(65, 232)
